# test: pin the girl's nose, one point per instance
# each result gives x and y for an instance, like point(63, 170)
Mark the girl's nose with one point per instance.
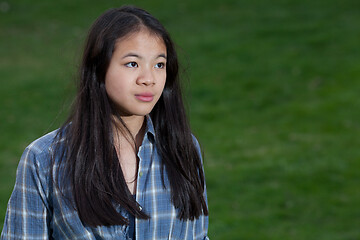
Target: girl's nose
point(146, 77)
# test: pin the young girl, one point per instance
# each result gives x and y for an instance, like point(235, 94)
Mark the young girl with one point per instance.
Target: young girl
point(125, 164)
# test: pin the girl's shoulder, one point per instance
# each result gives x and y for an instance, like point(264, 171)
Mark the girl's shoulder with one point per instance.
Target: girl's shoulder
point(45, 143)
point(40, 152)
point(196, 142)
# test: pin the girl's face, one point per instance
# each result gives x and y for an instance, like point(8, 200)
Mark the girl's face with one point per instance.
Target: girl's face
point(136, 75)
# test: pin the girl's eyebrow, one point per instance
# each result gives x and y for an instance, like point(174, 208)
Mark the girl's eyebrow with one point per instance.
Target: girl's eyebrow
point(137, 56)
point(161, 55)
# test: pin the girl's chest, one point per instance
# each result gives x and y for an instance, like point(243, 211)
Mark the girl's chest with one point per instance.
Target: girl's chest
point(129, 165)
point(153, 197)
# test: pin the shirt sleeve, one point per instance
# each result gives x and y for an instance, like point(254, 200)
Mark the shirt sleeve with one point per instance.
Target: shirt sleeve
point(203, 227)
point(28, 214)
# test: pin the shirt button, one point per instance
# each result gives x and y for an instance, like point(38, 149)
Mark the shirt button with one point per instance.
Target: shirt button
point(140, 174)
point(140, 208)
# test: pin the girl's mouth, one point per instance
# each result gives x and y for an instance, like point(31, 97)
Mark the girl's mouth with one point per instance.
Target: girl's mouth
point(145, 97)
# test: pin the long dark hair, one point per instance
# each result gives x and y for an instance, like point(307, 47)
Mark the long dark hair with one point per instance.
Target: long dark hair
point(89, 158)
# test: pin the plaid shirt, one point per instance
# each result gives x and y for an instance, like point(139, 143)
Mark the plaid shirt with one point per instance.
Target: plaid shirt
point(37, 210)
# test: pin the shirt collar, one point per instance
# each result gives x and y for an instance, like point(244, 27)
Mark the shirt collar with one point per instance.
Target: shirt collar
point(150, 132)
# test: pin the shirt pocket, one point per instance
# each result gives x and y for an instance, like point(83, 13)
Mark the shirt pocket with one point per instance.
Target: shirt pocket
point(181, 230)
point(188, 230)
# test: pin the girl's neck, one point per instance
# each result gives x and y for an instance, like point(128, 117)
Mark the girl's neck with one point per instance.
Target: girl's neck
point(136, 125)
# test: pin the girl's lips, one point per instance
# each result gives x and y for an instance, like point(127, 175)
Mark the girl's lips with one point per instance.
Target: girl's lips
point(144, 97)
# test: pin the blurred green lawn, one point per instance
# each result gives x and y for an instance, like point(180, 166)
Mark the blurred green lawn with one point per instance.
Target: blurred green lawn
point(273, 98)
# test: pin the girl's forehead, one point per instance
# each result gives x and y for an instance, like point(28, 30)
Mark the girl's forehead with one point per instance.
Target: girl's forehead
point(140, 39)
point(143, 32)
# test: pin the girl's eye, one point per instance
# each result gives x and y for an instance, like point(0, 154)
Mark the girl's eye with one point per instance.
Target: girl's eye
point(131, 65)
point(160, 65)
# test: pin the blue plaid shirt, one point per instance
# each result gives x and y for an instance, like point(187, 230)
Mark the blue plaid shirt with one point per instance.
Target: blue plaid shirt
point(37, 210)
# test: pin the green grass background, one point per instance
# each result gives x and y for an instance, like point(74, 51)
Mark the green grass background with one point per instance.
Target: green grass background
point(273, 97)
